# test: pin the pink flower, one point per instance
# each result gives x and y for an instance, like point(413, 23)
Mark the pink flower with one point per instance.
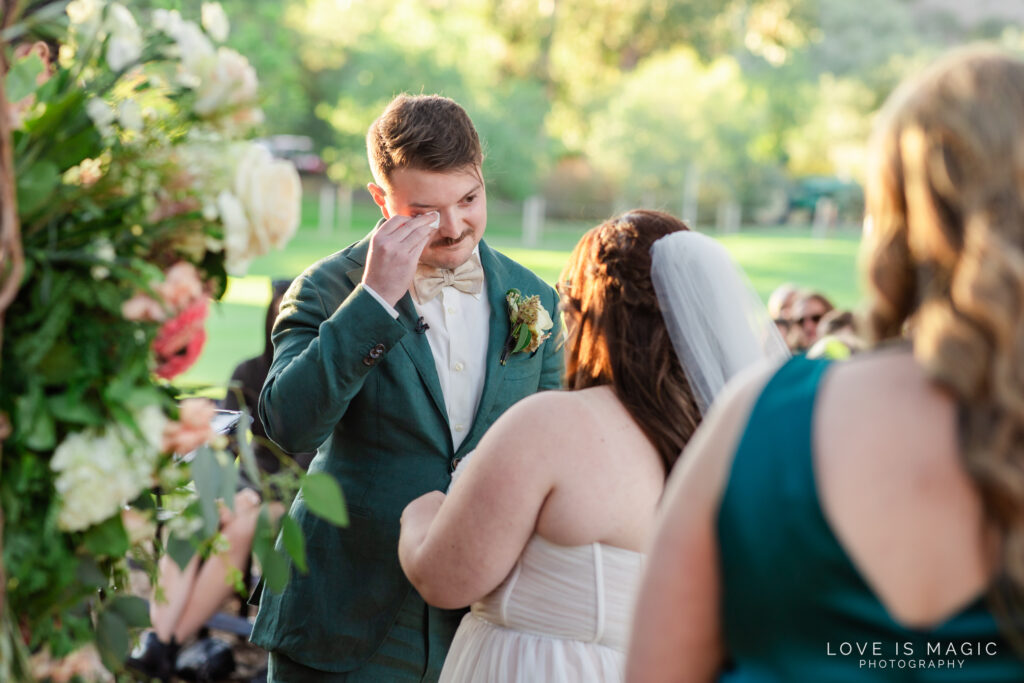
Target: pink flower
point(180, 340)
point(142, 308)
point(181, 286)
point(193, 428)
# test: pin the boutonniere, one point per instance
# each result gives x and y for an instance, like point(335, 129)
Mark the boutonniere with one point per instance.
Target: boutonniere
point(529, 322)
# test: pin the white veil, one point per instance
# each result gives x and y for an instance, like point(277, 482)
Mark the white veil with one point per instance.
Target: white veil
point(716, 321)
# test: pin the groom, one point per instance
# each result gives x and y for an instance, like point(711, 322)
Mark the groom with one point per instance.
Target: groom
point(386, 360)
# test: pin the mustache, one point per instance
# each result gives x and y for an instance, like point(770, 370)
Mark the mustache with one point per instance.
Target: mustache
point(451, 241)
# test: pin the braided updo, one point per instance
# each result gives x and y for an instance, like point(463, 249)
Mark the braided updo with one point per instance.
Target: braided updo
point(616, 334)
point(945, 261)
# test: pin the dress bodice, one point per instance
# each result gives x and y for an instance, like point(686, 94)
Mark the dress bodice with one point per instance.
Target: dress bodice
point(794, 606)
point(584, 593)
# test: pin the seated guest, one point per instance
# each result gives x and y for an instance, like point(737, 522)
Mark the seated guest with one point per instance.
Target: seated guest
point(808, 310)
point(192, 595)
point(542, 533)
point(864, 520)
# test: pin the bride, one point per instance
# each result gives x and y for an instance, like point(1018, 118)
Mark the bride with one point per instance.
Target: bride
point(543, 532)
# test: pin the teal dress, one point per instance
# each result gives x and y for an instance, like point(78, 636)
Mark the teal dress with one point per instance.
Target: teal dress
point(795, 608)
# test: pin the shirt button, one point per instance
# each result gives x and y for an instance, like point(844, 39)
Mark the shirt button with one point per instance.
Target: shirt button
point(460, 428)
point(451, 310)
point(459, 367)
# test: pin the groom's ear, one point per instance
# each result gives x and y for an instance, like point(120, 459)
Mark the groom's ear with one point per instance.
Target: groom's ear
point(379, 197)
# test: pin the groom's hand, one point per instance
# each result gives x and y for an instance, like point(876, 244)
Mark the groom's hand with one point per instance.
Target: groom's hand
point(395, 248)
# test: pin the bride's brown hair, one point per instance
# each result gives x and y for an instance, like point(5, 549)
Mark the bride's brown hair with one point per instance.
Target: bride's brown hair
point(945, 262)
point(616, 335)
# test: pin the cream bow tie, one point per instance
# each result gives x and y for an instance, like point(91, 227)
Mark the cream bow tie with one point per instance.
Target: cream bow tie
point(468, 278)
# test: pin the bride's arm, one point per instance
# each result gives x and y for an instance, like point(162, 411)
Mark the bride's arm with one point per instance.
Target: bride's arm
point(457, 549)
point(676, 624)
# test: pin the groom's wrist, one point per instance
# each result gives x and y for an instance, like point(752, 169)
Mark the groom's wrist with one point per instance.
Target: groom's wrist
point(387, 307)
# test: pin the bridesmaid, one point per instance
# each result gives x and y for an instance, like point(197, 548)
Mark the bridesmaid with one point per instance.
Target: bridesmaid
point(875, 505)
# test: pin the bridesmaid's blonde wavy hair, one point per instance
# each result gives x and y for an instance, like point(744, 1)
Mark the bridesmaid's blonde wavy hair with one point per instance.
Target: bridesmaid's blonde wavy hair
point(945, 262)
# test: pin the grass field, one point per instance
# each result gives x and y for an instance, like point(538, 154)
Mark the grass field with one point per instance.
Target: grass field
point(769, 257)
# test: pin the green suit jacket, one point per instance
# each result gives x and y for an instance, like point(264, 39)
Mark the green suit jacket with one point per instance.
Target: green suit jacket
point(380, 427)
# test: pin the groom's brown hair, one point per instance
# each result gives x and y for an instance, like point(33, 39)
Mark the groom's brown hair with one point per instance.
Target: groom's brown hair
point(616, 333)
point(424, 132)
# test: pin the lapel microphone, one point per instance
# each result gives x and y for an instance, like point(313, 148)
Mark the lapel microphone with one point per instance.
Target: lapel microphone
point(421, 325)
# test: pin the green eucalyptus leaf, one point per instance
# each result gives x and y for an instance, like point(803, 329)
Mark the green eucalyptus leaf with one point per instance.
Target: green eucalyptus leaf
point(274, 565)
point(208, 476)
point(245, 451)
point(181, 550)
point(21, 79)
point(107, 539)
point(324, 498)
point(294, 542)
point(132, 609)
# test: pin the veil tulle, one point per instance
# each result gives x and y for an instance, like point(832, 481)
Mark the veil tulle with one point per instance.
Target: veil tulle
point(716, 321)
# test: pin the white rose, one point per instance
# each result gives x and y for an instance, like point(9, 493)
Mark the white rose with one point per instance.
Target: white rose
point(544, 322)
point(271, 192)
point(84, 16)
point(236, 233)
point(168, 21)
point(215, 21)
point(130, 115)
point(124, 45)
point(100, 113)
point(227, 82)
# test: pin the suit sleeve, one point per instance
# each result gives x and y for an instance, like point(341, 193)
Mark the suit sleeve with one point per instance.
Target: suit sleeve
point(554, 364)
point(321, 360)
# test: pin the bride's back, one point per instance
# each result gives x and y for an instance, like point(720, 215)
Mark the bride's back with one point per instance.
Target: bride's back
point(608, 476)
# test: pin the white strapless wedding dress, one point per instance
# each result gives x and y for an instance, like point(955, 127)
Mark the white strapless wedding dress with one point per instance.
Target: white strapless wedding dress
point(562, 616)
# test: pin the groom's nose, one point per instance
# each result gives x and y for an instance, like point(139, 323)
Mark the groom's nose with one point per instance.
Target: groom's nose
point(450, 224)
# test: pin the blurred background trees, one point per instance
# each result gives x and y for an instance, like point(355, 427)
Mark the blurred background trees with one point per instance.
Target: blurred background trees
point(689, 105)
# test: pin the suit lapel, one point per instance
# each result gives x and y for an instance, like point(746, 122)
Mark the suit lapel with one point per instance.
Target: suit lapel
point(498, 282)
point(415, 344)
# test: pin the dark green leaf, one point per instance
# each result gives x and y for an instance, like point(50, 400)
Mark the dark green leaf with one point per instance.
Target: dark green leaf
point(84, 144)
point(294, 542)
point(522, 337)
point(74, 408)
point(132, 609)
point(21, 79)
point(107, 539)
point(324, 498)
point(112, 638)
point(89, 573)
point(36, 185)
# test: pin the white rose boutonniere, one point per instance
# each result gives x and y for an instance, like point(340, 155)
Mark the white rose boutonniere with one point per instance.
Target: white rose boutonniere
point(530, 324)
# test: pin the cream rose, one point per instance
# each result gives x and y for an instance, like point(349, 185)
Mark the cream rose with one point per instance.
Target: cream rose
point(263, 211)
point(226, 82)
point(215, 21)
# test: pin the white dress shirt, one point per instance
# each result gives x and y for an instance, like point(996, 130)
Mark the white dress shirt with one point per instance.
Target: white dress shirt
point(457, 332)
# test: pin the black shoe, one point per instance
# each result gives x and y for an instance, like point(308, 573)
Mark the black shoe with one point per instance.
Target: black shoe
point(154, 658)
point(206, 660)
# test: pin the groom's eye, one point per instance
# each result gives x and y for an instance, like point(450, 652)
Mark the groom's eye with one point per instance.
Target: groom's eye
point(468, 199)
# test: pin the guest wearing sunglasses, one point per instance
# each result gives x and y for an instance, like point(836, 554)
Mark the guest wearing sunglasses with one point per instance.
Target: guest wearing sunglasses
point(808, 310)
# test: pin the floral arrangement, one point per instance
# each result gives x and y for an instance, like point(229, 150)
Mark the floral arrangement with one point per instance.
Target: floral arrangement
point(137, 193)
point(530, 324)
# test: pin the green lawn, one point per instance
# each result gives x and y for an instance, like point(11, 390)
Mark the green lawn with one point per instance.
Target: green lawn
point(769, 257)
